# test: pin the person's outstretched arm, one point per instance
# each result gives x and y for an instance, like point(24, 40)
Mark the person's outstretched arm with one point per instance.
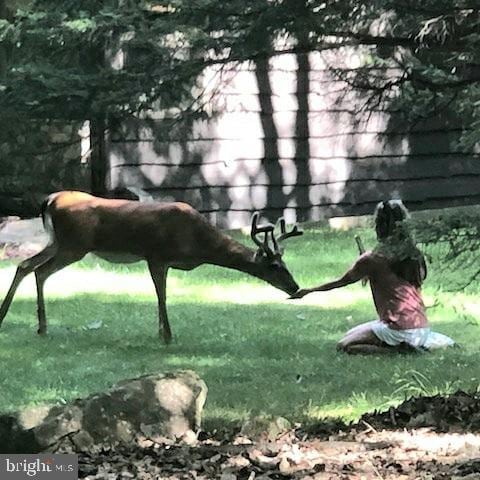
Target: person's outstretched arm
point(358, 271)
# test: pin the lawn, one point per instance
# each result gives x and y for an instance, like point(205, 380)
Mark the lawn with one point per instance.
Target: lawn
point(258, 352)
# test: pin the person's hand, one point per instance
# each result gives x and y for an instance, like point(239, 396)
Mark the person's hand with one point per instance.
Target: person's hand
point(299, 293)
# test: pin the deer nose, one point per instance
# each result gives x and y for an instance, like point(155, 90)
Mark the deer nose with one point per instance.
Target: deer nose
point(292, 290)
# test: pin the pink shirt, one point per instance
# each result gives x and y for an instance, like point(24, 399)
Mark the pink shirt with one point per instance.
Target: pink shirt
point(399, 304)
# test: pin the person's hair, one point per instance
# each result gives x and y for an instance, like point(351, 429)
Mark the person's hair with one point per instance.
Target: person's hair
point(396, 243)
point(387, 215)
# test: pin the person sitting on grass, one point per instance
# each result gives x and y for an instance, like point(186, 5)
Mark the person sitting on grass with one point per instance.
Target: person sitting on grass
point(396, 270)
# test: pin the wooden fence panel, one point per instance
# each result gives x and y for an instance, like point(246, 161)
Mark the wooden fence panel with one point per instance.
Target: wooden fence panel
point(287, 137)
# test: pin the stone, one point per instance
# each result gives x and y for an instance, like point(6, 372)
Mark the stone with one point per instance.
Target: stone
point(265, 428)
point(22, 231)
point(165, 405)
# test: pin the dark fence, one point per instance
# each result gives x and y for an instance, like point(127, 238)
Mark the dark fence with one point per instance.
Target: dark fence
point(286, 137)
point(289, 138)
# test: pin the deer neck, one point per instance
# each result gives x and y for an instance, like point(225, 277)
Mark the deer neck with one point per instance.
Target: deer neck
point(236, 256)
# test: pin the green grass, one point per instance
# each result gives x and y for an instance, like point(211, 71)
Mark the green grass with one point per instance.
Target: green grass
point(242, 336)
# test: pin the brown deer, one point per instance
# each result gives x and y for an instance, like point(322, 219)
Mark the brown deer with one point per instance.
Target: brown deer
point(166, 235)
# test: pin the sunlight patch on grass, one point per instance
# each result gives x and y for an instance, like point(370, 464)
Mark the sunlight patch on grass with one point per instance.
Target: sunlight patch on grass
point(47, 395)
point(263, 294)
point(349, 409)
point(179, 362)
point(248, 294)
point(463, 308)
point(242, 294)
point(472, 308)
point(70, 282)
point(336, 298)
point(466, 303)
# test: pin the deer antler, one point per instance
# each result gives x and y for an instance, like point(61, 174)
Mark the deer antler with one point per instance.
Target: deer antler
point(265, 229)
point(294, 232)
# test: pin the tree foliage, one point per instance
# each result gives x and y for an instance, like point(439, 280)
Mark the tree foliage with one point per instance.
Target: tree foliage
point(61, 55)
point(435, 49)
point(454, 239)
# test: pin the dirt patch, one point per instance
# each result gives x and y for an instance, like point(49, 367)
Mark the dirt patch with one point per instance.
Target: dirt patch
point(328, 450)
point(365, 455)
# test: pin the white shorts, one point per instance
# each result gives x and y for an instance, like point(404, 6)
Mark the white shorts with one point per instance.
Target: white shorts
point(416, 337)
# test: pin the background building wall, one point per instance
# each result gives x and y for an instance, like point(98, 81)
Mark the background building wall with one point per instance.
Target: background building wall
point(286, 137)
point(289, 138)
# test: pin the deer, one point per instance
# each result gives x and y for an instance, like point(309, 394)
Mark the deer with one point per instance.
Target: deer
point(165, 235)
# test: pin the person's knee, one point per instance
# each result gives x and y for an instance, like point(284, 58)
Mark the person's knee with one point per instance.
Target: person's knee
point(342, 345)
point(349, 349)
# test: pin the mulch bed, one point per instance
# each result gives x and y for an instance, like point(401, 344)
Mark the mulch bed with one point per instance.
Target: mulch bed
point(423, 438)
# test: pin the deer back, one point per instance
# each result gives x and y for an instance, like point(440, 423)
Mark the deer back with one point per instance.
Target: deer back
point(172, 232)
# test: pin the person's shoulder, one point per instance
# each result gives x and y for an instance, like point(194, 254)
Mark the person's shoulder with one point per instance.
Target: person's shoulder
point(370, 256)
point(372, 260)
point(365, 259)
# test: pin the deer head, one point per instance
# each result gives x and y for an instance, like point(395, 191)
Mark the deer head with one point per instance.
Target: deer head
point(269, 253)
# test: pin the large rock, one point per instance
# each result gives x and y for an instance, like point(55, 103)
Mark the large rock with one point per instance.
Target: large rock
point(154, 406)
point(21, 238)
point(22, 231)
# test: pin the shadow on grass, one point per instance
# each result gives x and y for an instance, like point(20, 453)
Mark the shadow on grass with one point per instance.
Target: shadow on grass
point(254, 358)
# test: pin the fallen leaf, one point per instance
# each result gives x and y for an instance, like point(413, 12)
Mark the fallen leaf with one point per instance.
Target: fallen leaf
point(95, 325)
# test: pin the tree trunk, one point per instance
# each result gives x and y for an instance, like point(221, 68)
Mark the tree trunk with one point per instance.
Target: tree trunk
point(98, 159)
point(3, 53)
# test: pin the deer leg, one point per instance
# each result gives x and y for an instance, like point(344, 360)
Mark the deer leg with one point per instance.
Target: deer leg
point(41, 274)
point(26, 267)
point(159, 277)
